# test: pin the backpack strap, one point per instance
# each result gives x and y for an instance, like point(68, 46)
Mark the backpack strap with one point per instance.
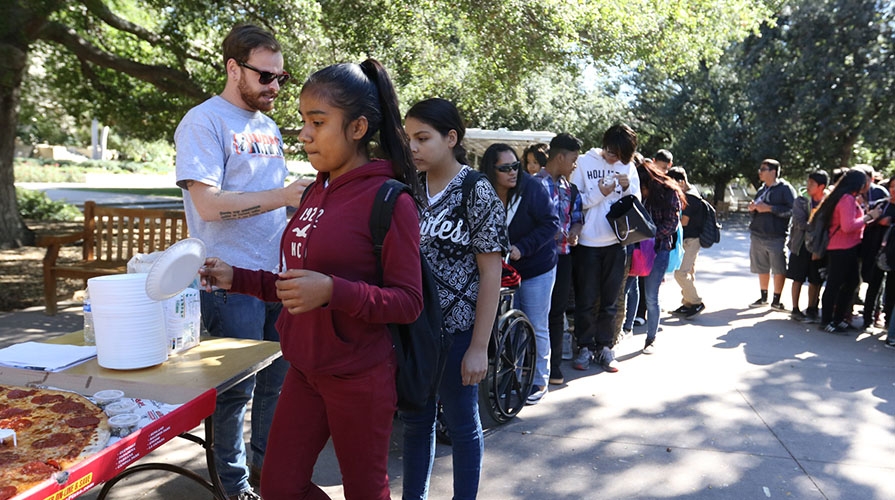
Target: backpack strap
point(381, 215)
point(304, 194)
point(466, 187)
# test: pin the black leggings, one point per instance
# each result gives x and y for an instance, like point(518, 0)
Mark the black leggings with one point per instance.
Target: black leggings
point(842, 282)
point(558, 305)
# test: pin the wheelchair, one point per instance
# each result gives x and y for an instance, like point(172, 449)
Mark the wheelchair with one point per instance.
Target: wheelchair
point(511, 368)
point(511, 364)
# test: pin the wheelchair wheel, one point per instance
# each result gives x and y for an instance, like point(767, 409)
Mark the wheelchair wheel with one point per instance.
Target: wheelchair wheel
point(511, 369)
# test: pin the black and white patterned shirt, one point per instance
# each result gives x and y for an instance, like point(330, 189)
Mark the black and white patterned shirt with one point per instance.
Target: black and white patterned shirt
point(450, 243)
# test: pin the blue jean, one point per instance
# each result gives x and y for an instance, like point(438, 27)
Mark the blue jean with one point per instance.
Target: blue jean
point(632, 299)
point(533, 298)
point(651, 285)
point(890, 333)
point(242, 316)
point(461, 413)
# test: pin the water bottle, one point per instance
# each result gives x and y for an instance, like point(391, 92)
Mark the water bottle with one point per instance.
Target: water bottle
point(89, 332)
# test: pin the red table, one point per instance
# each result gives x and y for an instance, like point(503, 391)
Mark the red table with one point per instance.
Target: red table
point(191, 379)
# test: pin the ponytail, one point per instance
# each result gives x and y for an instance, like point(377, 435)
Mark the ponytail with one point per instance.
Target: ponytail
point(392, 137)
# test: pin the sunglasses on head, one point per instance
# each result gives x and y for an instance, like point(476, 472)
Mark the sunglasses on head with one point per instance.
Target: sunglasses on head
point(509, 167)
point(265, 77)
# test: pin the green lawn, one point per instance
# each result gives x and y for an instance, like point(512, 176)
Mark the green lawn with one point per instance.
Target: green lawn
point(159, 191)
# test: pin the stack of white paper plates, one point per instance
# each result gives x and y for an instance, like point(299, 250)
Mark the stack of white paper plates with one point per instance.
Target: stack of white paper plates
point(130, 326)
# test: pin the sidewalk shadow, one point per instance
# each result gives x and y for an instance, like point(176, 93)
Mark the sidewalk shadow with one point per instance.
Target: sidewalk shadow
point(719, 317)
point(840, 359)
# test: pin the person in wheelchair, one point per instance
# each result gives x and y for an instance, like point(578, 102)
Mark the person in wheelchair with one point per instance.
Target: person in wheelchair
point(533, 224)
point(463, 236)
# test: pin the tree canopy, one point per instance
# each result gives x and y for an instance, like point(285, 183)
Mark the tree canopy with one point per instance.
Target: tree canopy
point(138, 65)
point(811, 89)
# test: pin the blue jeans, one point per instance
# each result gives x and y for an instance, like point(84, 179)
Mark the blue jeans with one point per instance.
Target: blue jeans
point(461, 413)
point(651, 290)
point(632, 300)
point(533, 298)
point(890, 333)
point(243, 316)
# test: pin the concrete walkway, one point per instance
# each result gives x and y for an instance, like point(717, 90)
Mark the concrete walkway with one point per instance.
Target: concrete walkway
point(737, 403)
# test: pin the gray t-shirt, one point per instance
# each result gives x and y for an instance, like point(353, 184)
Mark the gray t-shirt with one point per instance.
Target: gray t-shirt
point(234, 149)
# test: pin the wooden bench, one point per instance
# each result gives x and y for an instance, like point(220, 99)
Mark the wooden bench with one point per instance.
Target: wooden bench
point(111, 236)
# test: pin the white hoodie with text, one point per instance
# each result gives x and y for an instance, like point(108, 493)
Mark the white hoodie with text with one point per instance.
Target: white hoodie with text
point(592, 169)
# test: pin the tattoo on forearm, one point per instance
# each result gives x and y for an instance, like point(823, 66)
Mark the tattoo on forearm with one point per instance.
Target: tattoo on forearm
point(242, 214)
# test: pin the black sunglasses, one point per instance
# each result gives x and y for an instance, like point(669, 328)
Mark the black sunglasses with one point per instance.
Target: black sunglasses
point(265, 77)
point(509, 167)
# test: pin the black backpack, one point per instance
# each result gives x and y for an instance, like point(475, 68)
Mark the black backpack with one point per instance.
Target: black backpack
point(422, 346)
point(817, 235)
point(711, 228)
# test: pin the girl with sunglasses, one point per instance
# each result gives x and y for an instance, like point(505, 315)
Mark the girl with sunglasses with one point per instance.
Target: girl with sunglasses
point(533, 226)
point(463, 245)
point(334, 334)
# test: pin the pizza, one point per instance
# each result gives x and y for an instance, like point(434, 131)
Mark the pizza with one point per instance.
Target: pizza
point(53, 430)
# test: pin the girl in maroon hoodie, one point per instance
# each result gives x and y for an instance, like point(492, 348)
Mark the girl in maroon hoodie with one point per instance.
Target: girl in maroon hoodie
point(333, 331)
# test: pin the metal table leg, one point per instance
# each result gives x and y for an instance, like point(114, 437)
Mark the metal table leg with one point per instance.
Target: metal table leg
point(214, 485)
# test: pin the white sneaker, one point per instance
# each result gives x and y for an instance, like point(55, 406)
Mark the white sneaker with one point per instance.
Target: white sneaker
point(536, 395)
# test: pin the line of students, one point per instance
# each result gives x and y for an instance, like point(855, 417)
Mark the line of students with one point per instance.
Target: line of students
point(339, 380)
point(858, 213)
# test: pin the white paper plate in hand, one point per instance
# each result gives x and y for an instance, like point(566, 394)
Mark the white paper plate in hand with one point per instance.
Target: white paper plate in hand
point(175, 269)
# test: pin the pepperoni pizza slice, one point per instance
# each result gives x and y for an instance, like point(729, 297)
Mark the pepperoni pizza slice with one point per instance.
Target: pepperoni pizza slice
point(54, 429)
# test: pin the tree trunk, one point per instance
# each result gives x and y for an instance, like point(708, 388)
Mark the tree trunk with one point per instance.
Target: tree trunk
point(719, 192)
point(13, 232)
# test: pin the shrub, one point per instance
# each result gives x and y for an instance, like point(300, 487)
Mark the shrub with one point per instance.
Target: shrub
point(36, 205)
point(158, 153)
point(37, 170)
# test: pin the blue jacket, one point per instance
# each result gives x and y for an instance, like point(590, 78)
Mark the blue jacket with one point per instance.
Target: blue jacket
point(534, 228)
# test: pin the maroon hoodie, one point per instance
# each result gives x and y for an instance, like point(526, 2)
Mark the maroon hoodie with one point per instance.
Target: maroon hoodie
point(330, 234)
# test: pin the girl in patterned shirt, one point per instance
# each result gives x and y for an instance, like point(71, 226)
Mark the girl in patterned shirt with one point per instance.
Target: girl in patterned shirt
point(463, 240)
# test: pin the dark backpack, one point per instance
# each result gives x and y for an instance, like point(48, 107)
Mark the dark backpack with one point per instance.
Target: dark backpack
point(711, 228)
point(421, 346)
point(817, 235)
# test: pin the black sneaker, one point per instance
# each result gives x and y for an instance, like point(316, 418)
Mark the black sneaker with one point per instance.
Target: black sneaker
point(797, 315)
point(556, 377)
point(811, 316)
point(255, 477)
point(245, 495)
point(890, 344)
point(835, 328)
point(684, 309)
point(760, 302)
point(778, 306)
point(698, 308)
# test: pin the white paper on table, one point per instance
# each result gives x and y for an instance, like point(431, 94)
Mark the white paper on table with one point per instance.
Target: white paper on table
point(46, 357)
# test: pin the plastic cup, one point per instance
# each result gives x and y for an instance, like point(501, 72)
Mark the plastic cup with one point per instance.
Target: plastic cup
point(121, 407)
point(123, 424)
point(107, 397)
